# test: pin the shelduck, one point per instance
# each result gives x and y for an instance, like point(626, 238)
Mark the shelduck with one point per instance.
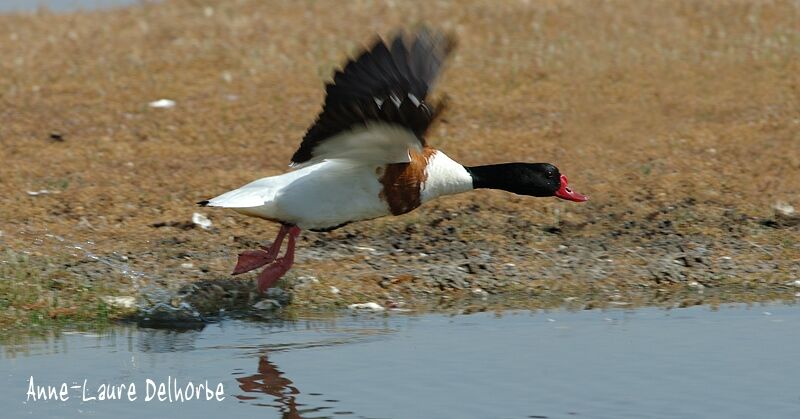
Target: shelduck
point(366, 155)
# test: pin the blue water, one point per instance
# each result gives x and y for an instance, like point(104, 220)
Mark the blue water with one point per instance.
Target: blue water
point(737, 362)
point(60, 5)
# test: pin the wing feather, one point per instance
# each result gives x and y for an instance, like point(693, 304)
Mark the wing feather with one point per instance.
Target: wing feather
point(377, 98)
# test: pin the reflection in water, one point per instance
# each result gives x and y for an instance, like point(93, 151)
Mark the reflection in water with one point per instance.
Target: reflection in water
point(270, 380)
point(166, 341)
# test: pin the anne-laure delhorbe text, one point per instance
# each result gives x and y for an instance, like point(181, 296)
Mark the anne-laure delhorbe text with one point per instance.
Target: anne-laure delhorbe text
point(169, 390)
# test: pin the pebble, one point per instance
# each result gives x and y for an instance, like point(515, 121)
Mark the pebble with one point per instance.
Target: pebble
point(795, 283)
point(162, 103)
point(366, 306)
point(784, 208)
point(334, 290)
point(201, 221)
point(164, 315)
point(40, 192)
point(364, 248)
point(479, 292)
point(696, 285)
point(124, 302)
point(266, 305)
point(308, 278)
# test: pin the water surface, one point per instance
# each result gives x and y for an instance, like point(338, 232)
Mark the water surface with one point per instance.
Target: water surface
point(735, 362)
point(60, 5)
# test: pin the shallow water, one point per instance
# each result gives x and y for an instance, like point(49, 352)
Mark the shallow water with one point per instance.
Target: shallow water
point(695, 362)
point(60, 5)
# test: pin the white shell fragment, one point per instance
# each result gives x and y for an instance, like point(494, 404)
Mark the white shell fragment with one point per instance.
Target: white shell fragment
point(40, 192)
point(162, 103)
point(201, 221)
point(366, 306)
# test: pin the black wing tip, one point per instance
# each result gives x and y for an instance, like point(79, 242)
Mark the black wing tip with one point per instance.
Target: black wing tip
point(406, 63)
point(203, 203)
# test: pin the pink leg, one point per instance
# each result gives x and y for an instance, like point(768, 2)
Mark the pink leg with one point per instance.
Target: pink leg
point(253, 259)
point(272, 273)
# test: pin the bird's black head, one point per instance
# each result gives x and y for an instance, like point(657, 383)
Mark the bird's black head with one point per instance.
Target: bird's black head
point(532, 179)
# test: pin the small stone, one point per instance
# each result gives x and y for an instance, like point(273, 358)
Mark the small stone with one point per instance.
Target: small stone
point(370, 306)
point(480, 292)
point(162, 103)
point(696, 285)
point(201, 221)
point(162, 314)
point(469, 267)
point(795, 283)
point(364, 248)
point(307, 279)
point(784, 208)
point(334, 290)
point(278, 295)
point(123, 302)
point(266, 305)
point(40, 192)
point(187, 265)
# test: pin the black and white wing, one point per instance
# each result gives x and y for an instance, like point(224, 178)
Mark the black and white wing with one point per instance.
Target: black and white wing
point(375, 109)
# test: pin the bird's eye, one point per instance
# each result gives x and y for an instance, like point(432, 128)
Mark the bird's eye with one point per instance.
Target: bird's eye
point(551, 175)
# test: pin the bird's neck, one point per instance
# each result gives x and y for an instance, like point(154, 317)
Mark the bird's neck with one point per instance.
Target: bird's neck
point(494, 176)
point(445, 177)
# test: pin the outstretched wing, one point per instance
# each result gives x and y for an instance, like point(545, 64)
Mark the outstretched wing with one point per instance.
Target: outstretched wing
point(375, 109)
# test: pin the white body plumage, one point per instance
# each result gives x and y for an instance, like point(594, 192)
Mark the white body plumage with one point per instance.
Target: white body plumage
point(335, 192)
